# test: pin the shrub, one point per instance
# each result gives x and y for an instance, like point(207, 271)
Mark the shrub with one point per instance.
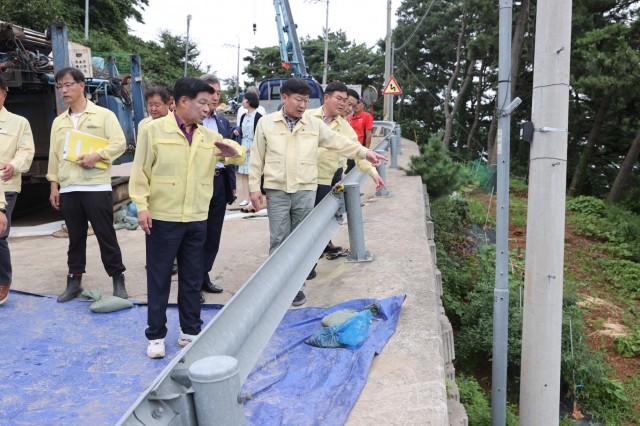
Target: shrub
point(436, 168)
point(589, 206)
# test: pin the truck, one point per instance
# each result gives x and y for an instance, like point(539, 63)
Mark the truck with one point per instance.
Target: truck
point(28, 60)
point(292, 59)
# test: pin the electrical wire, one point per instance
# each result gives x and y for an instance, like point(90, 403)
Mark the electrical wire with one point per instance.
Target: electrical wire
point(415, 30)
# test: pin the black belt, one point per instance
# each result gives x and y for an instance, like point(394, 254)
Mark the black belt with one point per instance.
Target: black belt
point(219, 171)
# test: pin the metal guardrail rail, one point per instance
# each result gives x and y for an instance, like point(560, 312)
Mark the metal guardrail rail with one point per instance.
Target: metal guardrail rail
point(201, 385)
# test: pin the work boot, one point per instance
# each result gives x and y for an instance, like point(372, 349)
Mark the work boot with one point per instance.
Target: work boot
point(74, 288)
point(118, 287)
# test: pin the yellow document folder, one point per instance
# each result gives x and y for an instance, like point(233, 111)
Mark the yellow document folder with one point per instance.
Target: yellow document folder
point(79, 143)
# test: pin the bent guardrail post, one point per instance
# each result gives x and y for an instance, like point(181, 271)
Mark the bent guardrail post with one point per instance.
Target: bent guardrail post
point(357, 251)
point(382, 171)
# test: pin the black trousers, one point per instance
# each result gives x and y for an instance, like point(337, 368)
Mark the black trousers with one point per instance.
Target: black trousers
point(96, 207)
point(168, 241)
point(323, 190)
point(215, 219)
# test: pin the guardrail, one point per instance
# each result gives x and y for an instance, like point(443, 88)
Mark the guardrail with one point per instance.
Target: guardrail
point(201, 385)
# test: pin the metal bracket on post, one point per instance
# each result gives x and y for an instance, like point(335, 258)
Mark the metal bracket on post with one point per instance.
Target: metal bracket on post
point(216, 386)
point(357, 253)
point(382, 171)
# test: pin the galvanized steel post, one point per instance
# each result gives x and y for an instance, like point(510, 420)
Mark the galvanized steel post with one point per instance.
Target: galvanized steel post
point(382, 171)
point(393, 148)
point(358, 253)
point(216, 386)
point(398, 130)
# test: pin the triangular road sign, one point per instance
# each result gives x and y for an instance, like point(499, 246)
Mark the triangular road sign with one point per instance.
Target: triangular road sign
point(392, 87)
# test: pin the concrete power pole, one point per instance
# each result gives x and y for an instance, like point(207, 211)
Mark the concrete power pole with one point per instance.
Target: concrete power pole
point(387, 65)
point(542, 327)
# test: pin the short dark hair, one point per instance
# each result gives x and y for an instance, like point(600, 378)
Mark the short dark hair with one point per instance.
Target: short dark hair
point(297, 86)
point(159, 91)
point(3, 84)
point(190, 87)
point(252, 98)
point(75, 73)
point(335, 86)
point(351, 92)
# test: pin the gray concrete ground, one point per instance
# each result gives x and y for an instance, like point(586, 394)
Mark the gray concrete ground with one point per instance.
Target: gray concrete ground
point(406, 385)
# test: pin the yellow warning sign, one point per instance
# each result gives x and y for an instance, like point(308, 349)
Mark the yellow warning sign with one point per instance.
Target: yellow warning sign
point(392, 87)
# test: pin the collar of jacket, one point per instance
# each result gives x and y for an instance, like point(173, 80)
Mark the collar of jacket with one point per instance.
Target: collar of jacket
point(4, 113)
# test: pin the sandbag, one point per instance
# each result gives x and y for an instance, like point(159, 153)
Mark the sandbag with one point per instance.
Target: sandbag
point(338, 317)
point(105, 304)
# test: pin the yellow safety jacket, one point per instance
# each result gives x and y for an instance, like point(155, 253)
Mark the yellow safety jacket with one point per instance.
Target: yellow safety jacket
point(16, 147)
point(289, 160)
point(96, 121)
point(172, 179)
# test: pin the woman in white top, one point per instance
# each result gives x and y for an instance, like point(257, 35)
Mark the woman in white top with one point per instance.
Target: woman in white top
point(248, 123)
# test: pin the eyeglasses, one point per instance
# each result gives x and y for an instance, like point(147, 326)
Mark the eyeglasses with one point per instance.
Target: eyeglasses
point(351, 104)
point(65, 85)
point(340, 99)
point(300, 100)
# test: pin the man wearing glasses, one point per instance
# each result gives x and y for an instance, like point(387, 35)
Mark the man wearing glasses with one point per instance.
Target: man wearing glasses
point(81, 190)
point(331, 166)
point(285, 150)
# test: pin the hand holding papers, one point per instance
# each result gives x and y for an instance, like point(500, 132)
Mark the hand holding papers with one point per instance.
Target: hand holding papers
point(78, 145)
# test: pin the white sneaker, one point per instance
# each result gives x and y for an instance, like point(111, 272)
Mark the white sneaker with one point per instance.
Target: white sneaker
point(156, 349)
point(244, 203)
point(185, 339)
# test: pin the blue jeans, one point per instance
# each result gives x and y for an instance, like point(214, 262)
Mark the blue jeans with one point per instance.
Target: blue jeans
point(5, 255)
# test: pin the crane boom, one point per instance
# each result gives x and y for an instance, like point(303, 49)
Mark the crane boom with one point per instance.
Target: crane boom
point(290, 50)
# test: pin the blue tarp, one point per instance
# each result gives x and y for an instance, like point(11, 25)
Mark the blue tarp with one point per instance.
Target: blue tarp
point(62, 364)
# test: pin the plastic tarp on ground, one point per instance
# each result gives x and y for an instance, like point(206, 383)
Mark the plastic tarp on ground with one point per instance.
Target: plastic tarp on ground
point(61, 364)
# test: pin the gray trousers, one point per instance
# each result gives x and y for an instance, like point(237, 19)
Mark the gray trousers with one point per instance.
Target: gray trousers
point(285, 212)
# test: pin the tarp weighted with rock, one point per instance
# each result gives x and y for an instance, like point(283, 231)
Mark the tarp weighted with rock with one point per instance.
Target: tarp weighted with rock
point(61, 364)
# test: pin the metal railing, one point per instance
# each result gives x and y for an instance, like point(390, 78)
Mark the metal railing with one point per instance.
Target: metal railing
point(201, 385)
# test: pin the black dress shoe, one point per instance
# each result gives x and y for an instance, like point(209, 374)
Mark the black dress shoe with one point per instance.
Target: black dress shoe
point(210, 287)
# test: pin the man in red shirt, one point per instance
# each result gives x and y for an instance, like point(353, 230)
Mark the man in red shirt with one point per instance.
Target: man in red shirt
point(362, 122)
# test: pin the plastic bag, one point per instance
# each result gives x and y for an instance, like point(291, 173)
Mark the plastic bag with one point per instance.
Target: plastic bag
point(351, 334)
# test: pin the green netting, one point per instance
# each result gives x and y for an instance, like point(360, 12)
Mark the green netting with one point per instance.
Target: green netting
point(122, 60)
point(483, 174)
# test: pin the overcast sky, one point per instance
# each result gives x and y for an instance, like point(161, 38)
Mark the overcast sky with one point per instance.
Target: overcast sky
point(216, 25)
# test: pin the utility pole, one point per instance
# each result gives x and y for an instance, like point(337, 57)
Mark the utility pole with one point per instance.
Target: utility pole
point(387, 65)
point(86, 19)
point(542, 322)
point(326, 48)
point(186, 47)
point(238, 70)
point(501, 291)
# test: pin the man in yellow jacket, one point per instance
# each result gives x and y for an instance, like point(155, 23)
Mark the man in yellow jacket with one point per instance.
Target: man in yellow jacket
point(172, 185)
point(285, 150)
point(331, 166)
point(81, 190)
point(16, 154)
